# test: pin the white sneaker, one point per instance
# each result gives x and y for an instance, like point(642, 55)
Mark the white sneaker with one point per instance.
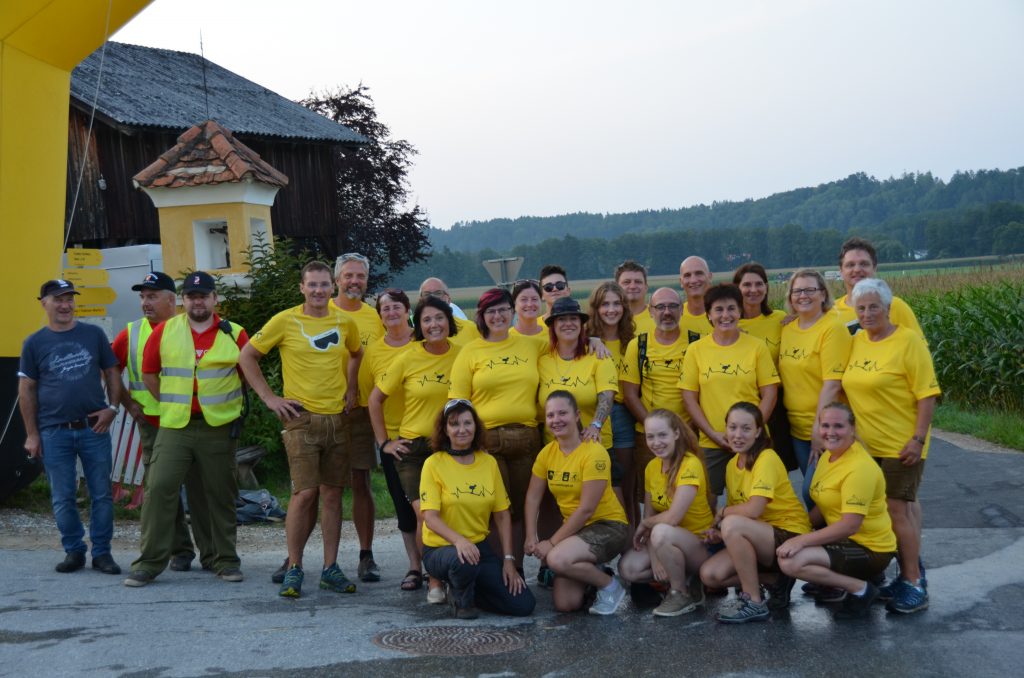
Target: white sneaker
point(608, 602)
point(435, 596)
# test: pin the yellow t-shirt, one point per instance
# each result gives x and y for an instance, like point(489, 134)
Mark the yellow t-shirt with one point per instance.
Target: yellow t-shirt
point(725, 375)
point(370, 329)
point(566, 473)
point(584, 378)
point(618, 357)
point(313, 351)
point(883, 382)
point(767, 328)
point(644, 322)
point(694, 326)
point(466, 333)
point(377, 359)
point(900, 314)
point(662, 369)
point(767, 479)
point(698, 517)
point(500, 379)
point(543, 330)
point(419, 380)
point(854, 483)
point(464, 494)
point(806, 359)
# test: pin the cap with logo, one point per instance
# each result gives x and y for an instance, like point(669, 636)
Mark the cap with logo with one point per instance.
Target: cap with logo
point(199, 281)
point(57, 288)
point(155, 280)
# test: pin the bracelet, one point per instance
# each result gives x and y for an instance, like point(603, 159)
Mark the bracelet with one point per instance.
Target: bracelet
point(917, 438)
point(597, 424)
point(509, 556)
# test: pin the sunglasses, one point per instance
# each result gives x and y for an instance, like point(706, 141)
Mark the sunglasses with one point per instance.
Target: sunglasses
point(552, 286)
point(455, 402)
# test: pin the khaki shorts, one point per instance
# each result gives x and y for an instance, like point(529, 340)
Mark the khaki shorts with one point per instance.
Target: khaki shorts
point(317, 446)
point(362, 456)
point(410, 467)
point(901, 482)
point(606, 539)
point(515, 448)
point(850, 558)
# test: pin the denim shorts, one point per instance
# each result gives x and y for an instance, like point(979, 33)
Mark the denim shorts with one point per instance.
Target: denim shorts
point(623, 427)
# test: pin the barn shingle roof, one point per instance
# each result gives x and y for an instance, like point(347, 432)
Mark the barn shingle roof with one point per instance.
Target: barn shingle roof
point(150, 87)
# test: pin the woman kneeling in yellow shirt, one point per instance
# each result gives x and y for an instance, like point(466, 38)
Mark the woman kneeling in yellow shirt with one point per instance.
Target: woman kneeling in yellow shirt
point(594, 530)
point(855, 541)
point(762, 513)
point(460, 489)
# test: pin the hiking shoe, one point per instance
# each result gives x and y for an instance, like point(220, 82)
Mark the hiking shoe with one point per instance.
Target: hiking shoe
point(278, 576)
point(545, 577)
point(810, 589)
point(368, 570)
point(181, 563)
point(607, 602)
point(779, 591)
point(138, 578)
point(105, 564)
point(746, 611)
point(695, 589)
point(291, 583)
point(232, 574)
point(908, 599)
point(856, 607)
point(333, 579)
point(74, 560)
point(887, 591)
point(828, 594)
point(435, 596)
point(675, 604)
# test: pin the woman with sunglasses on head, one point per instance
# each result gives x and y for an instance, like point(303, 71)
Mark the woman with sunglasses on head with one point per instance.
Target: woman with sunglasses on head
point(460, 491)
point(418, 380)
point(526, 302)
point(498, 374)
point(393, 307)
point(594, 531)
point(762, 513)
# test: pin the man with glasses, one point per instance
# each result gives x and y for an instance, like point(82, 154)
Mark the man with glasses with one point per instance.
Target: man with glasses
point(695, 279)
point(650, 372)
point(467, 331)
point(352, 274)
point(554, 285)
point(631, 276)
point(312, 339)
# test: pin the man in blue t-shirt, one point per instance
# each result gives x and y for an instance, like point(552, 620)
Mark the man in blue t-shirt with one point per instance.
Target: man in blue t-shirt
point(67, 417)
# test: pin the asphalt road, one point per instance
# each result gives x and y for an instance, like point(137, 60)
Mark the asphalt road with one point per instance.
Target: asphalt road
point(191, 624)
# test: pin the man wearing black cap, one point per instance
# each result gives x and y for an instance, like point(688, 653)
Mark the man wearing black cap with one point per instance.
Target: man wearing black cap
point(158, 297)
point(190, 366)
point(67, 418)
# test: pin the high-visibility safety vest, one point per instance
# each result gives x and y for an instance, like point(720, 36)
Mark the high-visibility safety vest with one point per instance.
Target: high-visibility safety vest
point(138, 333)
point(218, 386)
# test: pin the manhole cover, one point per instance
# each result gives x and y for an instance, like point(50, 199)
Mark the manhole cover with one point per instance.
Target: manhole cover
point(451, 641)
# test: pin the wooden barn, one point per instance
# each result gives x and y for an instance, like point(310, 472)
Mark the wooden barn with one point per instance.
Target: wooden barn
point(146, 98)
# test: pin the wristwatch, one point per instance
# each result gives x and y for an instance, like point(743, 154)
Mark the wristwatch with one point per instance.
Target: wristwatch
point(115, 408)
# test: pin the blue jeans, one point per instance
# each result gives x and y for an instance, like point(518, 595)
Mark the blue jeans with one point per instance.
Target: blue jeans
point(481, 584)
point(802, 448)
point(62, 447)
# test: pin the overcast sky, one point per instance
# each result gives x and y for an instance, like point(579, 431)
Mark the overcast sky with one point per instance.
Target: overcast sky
point(539, 108)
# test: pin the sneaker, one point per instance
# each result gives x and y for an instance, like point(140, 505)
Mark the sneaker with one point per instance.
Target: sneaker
point(466, 613)
point(828, 594)
point(181, 563)
point(278, 576)
point(908, 599)
point(779, 592)
point(333, 579)
point(810, 589)
point(608, 602)
point(675, 604)
point(232, 574)
point(74, 560)
point(545, 577)
point(746, 611)
point(368, 570)
point(105, 564)
point(138, 578)
point(856, 607)
point(887, 591)
point(435, 596)
point(695, 589)
point(291, 583)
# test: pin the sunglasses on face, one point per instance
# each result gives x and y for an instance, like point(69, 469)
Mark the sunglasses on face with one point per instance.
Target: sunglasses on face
point(552, 286)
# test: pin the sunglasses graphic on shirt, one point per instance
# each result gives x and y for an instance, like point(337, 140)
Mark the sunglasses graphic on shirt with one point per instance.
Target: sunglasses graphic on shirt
point(322, 341)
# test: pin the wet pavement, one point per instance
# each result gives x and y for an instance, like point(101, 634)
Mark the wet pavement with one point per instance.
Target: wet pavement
point(191, 624)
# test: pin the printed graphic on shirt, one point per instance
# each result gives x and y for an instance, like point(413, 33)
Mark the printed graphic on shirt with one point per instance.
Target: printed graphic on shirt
point(506, 361)
point(70, 362)
point(321, 341)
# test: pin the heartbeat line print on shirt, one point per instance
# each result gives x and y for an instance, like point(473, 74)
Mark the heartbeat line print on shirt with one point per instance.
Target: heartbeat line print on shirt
point(729, 369)
point(506, 361)
point(475, 490)
point(672, 364)
point(866, 365)
point(436, 378)
point(795, 353)
point(567, 382)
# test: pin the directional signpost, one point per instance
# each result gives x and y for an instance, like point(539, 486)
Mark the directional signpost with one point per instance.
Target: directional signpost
point(503, 271)
point(92, 283)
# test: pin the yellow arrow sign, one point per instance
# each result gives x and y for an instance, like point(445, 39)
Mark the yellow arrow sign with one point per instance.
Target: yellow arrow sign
point(87, 311)
point(96, 295)
point(84, 257)
point(93, 277)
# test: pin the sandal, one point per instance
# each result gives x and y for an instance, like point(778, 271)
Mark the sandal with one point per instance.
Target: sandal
point(412, 581)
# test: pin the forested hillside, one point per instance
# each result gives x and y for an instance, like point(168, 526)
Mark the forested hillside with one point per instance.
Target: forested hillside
point(974, 213)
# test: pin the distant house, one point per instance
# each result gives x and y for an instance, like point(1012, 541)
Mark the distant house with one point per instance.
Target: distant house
point(146, 99)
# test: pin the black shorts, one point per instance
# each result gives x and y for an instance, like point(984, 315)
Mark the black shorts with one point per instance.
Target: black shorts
point(850, 558)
